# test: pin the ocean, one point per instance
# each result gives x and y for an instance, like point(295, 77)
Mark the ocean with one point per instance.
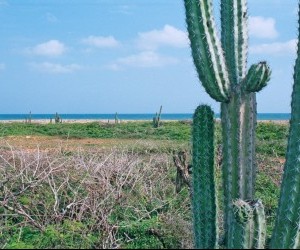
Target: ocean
point(260, 116)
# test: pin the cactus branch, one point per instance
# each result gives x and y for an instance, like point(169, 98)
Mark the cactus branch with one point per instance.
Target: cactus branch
point(206, 47)
point(235, 37)
point(203, 183)
point(249, 225)
point(243, 226)
point(257, 77)
point(260, 227)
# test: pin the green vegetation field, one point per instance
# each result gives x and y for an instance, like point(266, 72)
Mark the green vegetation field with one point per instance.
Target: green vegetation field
point(129, 130)
point(99, 185)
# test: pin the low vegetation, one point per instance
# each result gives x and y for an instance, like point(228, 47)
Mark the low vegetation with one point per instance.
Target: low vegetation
point(132, 130)
point(119, 196)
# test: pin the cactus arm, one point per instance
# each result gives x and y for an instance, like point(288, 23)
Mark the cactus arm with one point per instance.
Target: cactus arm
point(249, 225)
point(235, 37)
point(260, 227)
point(243, 225)
point(257, 77)
point(206, 49)
point(203, 182)
point(286, 231)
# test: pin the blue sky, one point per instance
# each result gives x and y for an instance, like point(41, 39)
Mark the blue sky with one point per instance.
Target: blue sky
point(126, 56)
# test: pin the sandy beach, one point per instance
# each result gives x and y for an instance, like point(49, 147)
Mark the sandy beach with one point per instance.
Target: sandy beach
point(112, 121)
point(46, 121)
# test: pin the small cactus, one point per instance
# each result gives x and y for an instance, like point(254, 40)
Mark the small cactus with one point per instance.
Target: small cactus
point(57, 118)
point(156, 119)
point(116, 118)
point(29, 118)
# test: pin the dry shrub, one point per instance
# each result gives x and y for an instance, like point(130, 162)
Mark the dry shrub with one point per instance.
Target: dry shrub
point(107, 192)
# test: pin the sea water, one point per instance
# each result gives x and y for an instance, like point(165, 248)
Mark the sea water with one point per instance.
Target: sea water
point(260, 116)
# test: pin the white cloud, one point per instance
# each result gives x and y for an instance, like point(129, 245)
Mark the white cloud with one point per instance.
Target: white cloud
point(262, 27)
point(54, 68)
point(278, 48)
point(168, 36)
point(51, 48)
point(101, 42)
point(146, 59)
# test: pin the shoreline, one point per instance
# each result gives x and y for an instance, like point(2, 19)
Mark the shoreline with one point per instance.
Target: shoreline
point(112, 121)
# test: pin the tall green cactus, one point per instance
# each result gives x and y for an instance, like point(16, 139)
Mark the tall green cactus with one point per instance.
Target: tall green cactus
point(287, 228)
point(203, 181)
point(248, 223)
point(222, 69)
point(223, 74)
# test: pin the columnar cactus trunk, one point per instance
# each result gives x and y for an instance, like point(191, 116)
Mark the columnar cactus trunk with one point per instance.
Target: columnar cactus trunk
point(286, 233)
point(203, 181)
point(222, 69)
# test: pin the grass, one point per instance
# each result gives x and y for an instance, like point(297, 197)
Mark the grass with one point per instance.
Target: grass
point(121, 179)
point(132, 130)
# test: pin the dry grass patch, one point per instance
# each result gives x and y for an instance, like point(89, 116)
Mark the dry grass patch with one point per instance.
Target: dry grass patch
point(88, 199)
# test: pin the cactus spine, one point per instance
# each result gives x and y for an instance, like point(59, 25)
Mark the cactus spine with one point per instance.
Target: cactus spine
point(286, 233)
point(203, 181)
point(222, 70)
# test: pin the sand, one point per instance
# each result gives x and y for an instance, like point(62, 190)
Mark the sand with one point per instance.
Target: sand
point(112, 121)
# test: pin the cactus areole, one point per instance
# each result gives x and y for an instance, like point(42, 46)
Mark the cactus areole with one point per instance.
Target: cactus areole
point(221, 65)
